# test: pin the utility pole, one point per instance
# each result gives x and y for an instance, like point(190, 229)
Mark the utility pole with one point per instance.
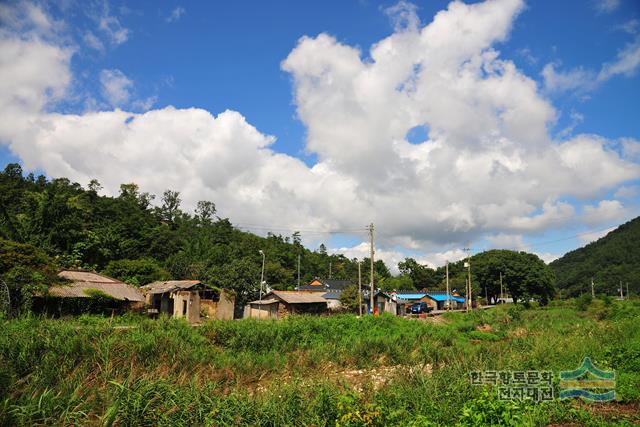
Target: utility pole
point(446, 265)
point(621, 294)
point(593, 292)
point(360, 288)
point(262, 274)
point(371, 270)
point(298, 271)
point(329, 269)
point(469, 297)
point(501, 294)
point(486, 295)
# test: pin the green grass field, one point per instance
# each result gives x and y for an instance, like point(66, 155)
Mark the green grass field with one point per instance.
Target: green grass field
point(339, 370)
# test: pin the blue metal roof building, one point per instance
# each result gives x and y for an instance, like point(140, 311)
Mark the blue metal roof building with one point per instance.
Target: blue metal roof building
point(444, 297)
point(410, 296)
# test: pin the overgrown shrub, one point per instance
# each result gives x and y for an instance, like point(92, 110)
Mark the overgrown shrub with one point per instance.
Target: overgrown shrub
point(583, 301)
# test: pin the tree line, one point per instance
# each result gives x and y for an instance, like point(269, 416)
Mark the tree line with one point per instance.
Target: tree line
point(59, 224)
point(46, 225)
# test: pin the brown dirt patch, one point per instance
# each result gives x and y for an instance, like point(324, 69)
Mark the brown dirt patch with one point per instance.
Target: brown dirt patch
point(377, 377)
point(518, 332)
point(614, 409)
point(357, 379)
point(484, 328)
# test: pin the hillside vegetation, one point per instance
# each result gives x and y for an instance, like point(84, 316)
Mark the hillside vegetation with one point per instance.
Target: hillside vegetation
point(46, 225)
point(51, 224)
point(610, 260)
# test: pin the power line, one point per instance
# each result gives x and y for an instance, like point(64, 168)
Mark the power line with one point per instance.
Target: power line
point(563, 239)
point(300, 230)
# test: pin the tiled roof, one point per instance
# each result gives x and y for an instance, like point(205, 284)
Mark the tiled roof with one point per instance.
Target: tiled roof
point(297, 297)
point(332, 295)
point(328, 284)
point(169, 286)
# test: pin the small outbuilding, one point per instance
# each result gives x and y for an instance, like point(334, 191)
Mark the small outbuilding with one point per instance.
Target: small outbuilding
point(440, 300)
point(188, 299)
point(383, 303)
point(88, 291)
point(177, 298)
point(279, 304)
point(331, 290)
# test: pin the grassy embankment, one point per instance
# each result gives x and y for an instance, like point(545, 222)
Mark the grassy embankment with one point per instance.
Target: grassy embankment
point(338, 370)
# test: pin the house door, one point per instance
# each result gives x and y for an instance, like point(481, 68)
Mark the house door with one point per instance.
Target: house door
point(184, 308)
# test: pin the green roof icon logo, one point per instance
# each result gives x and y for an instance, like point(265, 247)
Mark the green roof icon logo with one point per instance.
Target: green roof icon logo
point(589, 382)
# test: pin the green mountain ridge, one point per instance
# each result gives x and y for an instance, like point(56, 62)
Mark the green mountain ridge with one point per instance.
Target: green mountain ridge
point(610, 260)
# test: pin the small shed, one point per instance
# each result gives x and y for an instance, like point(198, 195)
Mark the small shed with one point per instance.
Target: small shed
point(382, 302)
point(440, 300)
point(188, 299)
point(177, 298)
point(279, 304)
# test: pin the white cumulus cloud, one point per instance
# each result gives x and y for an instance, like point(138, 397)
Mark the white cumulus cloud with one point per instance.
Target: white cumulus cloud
point(488, 165)
point(115, 87)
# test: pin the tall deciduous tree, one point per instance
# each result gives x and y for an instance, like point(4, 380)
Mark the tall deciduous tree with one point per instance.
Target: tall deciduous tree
point(170, 206)
point(524, 275)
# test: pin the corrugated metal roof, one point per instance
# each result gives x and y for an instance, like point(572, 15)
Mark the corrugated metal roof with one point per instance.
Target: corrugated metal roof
point(404, 295)
point(444, 297)
point(298, 297)
point(265, 301)
point(86, 276)
point(84, 282)
point(169, 286)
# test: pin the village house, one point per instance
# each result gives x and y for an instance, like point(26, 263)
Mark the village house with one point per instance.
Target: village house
point(331, 290)
point(404, 299)
point(188, 299)
point(437, 300)
point(89, 291)
point(324, 285)
point(279, 304)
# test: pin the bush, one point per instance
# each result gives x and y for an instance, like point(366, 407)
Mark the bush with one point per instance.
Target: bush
point(583, 301)
point(515, 312)
point(136, 272)
point(488, 410)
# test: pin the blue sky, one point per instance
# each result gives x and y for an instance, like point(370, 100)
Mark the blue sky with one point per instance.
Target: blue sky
point(243, 56)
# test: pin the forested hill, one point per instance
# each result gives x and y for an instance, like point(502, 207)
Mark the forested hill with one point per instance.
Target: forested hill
point(610, 260)
point(128, 238)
